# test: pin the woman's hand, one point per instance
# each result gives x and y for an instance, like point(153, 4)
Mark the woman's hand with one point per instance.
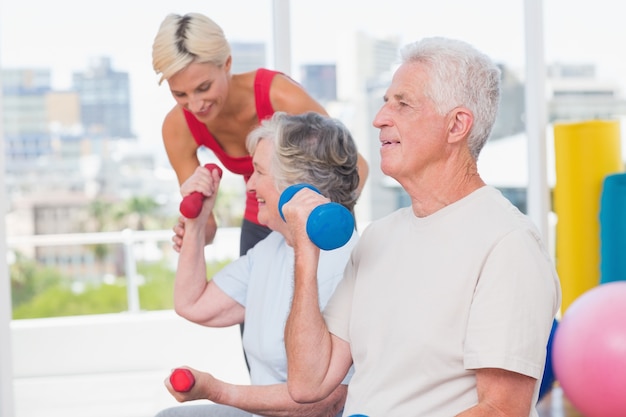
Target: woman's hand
point(204, 181)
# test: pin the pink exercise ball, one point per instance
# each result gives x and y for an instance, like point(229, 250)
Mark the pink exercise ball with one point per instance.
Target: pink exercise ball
point(589, 351)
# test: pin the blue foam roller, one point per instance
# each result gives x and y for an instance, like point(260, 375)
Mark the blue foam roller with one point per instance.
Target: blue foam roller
point(548, 378)
point(613, 229)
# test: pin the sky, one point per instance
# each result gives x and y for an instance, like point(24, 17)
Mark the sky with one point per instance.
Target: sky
point(65, 34)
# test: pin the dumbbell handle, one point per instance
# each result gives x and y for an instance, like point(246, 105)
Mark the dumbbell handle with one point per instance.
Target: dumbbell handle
point(329, 225)
point(191, 206)
point(182, 380)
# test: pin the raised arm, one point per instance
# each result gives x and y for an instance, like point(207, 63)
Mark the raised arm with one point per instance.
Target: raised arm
point(195, 298)
point(181, 149)
point(266, 400)
point(317, 361)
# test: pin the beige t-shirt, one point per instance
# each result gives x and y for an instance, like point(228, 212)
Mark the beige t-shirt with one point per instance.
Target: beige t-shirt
point(424, 301)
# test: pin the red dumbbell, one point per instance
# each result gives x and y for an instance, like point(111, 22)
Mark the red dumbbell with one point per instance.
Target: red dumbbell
point(182, 380)
point(191, 206)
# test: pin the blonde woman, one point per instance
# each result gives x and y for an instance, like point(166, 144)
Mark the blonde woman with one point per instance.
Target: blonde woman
point(217, 109)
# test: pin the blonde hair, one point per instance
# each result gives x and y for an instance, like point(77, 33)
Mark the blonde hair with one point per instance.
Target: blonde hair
point(182, 40)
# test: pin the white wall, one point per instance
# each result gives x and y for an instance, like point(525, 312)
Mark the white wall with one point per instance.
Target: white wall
point(114, 365)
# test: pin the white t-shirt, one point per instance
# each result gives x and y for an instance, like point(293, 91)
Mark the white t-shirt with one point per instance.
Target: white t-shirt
point(262, 281)
point(425, 301)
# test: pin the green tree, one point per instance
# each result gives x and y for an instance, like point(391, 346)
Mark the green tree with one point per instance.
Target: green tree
point(29, 279)
point(138, 212)
point(59, 301)
point(99, 219)
point(156, 293)
point(99, 216)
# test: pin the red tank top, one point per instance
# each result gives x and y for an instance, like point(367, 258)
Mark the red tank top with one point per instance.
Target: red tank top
point(238, 165)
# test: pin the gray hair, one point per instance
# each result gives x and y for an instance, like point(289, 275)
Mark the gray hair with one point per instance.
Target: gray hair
point(182, 40)
point(313, 149)
point(459, 75)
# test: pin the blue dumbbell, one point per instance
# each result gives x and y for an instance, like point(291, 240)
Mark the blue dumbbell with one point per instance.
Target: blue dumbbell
point(329, 226)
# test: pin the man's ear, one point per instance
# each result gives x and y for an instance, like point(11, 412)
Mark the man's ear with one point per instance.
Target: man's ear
point(461, 122)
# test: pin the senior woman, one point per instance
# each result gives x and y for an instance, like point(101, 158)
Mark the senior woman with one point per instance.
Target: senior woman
point(258, 287)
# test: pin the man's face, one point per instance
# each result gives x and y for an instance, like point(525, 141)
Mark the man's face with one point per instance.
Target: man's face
point(412, 133)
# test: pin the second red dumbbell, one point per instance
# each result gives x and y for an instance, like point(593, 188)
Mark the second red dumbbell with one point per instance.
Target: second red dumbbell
point(182, 380)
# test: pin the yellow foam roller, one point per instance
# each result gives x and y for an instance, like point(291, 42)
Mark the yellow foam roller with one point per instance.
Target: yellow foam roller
point(585, 153)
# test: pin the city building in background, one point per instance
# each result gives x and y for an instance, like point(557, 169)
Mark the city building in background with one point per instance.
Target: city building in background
point(510, 120)
point(247, 56)
point(104, 100)
point(578, 94)
point(363, 63)
point(71, 154)
point(320, 80)
point(24, 116)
